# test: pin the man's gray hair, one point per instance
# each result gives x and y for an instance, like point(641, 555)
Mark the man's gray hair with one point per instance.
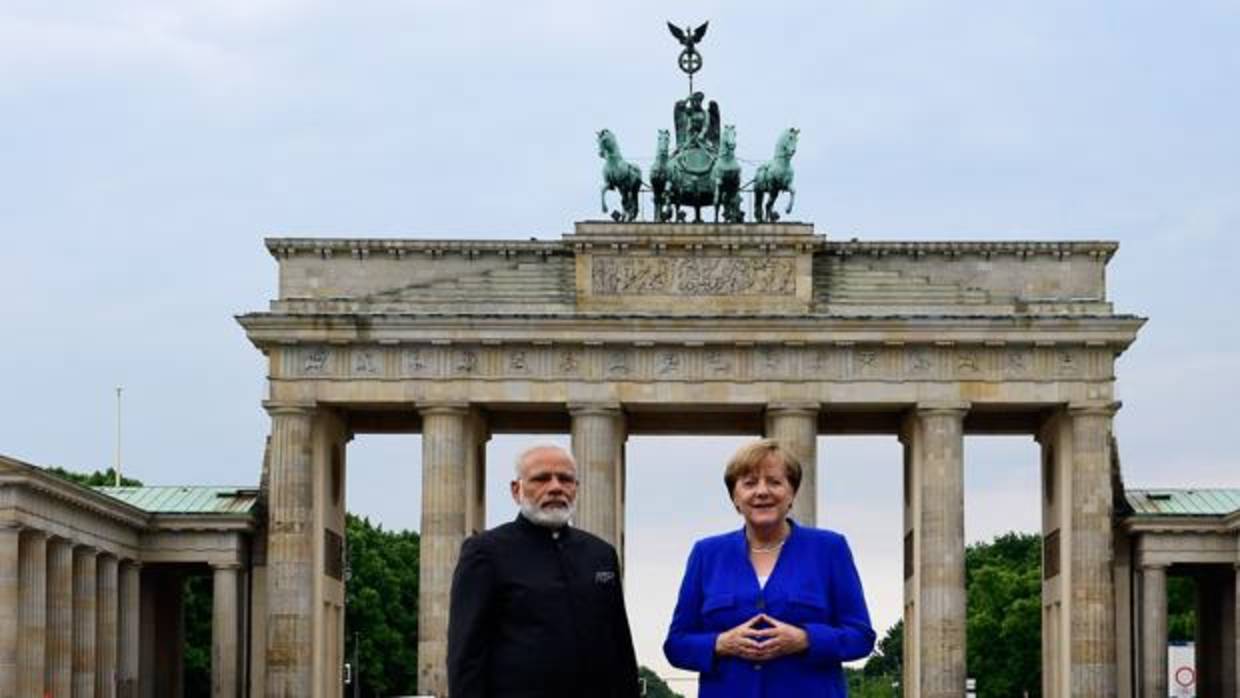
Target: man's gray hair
point(524, 456)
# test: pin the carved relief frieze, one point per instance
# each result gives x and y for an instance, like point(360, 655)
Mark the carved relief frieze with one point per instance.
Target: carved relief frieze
point(918, 362)
point(568, 362)
point(419, 362)
point(718, 363)
point(968, 362)
point(516, 362)
point(465, 362)
point(1017, 362)
point(770, 362)
point(618, 363)
point(820, 363)
point(1069, 362)
point(368, 362)
point(693, 276)
point(315, 361)
point(701, 362)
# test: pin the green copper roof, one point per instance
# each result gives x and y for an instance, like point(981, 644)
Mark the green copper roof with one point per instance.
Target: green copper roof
point(185, 500)
point(1177, 502)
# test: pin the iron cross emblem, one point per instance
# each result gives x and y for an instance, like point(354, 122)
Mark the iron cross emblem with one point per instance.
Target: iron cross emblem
point(690, 60)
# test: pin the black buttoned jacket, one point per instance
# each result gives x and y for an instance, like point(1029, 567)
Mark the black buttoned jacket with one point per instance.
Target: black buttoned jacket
point(539, 613)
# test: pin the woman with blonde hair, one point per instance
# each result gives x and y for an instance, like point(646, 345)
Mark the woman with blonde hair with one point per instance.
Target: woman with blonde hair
point(775, 608)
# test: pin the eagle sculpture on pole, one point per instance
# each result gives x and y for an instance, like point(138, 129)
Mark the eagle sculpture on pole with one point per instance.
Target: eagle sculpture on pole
point(688, 36)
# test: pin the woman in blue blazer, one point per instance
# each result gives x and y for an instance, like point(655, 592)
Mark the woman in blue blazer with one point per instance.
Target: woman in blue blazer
point(774, 608)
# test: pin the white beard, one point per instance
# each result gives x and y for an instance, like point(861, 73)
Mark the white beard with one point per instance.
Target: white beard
point(552, 517)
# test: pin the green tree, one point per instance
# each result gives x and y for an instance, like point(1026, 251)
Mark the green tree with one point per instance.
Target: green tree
point(98, 478)
point(655, 686)
point(381, 607)
point(1004, 586)
point(198, 611)
point(1181, 608)
point(888, 658)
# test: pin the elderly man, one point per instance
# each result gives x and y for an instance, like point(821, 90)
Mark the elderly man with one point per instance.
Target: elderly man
point(537, 609)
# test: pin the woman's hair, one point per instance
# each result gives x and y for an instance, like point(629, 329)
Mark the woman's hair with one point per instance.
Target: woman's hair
point(748, 457)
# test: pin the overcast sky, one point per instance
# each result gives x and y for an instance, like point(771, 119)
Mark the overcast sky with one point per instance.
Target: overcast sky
point(150, 146)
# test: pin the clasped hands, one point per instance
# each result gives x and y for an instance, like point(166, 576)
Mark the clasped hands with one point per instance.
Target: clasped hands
point(760, 639)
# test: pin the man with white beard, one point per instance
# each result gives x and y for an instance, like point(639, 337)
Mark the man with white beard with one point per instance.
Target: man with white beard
point(537, 610)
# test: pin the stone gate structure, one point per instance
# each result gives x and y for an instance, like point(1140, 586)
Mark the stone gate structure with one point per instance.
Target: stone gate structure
point(629, 328)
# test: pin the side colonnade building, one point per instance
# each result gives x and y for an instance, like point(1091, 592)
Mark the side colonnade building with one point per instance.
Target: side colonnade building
point(92, 579)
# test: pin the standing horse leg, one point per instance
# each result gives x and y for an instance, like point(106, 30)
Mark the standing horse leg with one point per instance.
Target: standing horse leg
point(759, 210)
point(771, 215)
point(792, 197)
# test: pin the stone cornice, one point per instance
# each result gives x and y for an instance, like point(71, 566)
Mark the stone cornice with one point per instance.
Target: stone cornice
point(362, 248)
point(240, 522)
point(17, 473)
point(957, 248)
point(275, 329)
point(1138, 523)
point(605, 235)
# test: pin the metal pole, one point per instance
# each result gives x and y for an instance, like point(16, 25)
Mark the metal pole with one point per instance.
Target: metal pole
point(116, 467)
point(357, 667)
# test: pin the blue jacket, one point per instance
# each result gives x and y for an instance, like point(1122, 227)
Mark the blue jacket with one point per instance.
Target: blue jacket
point(814, 586)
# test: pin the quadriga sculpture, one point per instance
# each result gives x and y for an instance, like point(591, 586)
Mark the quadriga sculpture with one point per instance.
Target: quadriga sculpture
point(775, 176)
point(624, 177)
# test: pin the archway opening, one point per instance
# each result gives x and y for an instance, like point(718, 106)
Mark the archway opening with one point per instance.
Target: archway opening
point(1003, 495)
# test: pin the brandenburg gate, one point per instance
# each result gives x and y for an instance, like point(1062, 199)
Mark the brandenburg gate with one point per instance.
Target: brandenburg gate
point(628, 328)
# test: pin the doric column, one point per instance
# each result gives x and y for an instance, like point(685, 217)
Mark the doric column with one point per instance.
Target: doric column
point(1092, 645)
point(1153, 631)
point(224, 632)
point(795, 427)
point(32, 616)
point(290, 553)
point(937, 454)
point(1235, 634)
point(59, 662)
point(476, 472)
point(128, 630)
point(10, 544)
point(444, 459)
point(598, 447)
point(106, 632)
point(85, 584)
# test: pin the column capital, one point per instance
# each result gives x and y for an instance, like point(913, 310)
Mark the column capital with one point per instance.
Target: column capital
point(443, 408)
point(280, 407)
point(226, 565)
point(946, 408)
point(1152, 565)
point(83, 549)
point(1093, 409)
point(793, 407)
point(607, 409)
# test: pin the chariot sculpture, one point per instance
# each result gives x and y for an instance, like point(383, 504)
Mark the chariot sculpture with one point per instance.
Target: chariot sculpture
point(701, 169)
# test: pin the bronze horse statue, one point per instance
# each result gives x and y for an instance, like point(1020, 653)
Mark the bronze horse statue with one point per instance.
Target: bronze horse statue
point(659, 173)
point(775, 176)
point(726, 175)
point(624, 177)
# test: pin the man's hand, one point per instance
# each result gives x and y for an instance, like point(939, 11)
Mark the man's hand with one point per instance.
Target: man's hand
point(776, 638)
point(741, 641)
